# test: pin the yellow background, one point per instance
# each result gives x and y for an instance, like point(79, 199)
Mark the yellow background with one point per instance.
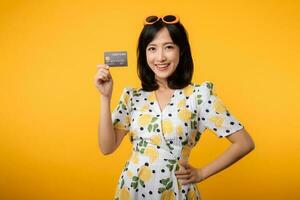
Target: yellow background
point(50, 107)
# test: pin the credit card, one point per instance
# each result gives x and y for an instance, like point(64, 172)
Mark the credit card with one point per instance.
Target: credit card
point(115, 58)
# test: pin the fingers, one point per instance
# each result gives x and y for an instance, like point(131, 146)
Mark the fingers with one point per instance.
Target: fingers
point(184, 176)
point(102, 75)
point(183, 171)
point(104, 66)
point(188, 181)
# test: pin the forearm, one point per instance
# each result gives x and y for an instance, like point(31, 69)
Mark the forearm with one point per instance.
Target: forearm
point(107, 137)
point(231, 155)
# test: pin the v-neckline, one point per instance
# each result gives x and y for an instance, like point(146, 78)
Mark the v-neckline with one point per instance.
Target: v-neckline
point(169, 102)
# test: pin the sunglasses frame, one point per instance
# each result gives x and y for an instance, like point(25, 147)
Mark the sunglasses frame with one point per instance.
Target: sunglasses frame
point(162, 18)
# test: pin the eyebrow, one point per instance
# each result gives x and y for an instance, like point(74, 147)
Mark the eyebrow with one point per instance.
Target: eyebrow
point(151, 44)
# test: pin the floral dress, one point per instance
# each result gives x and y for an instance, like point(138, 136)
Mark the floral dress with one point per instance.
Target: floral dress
point(162, 137)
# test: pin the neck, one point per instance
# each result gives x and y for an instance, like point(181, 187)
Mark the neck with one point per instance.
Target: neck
point(162, 84)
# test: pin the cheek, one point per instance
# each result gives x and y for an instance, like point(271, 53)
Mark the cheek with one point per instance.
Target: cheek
point(176, 57)
point(149, 58)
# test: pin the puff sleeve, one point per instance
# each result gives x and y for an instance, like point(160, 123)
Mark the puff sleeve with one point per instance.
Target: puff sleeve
point(121, 114)
point(213, 114)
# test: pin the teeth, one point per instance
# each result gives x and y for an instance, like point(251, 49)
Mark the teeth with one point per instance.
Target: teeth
point(165, 65)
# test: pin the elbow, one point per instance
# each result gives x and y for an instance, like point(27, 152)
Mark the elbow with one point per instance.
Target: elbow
point(105, 152)
point(250, 146)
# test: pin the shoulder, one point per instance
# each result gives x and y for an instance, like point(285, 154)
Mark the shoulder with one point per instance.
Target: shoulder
point(204, 89)
point(132, 92)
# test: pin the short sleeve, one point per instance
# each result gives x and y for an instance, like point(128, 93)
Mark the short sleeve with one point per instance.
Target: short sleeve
point(121, 114)
point(213, 114)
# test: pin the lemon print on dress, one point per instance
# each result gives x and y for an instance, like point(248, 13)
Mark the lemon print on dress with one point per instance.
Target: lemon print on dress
point(185, 114)
point(152, 153)
point(181, 103)
point(144, 120)
point(119, 125)
point(218, 121)
point(124, 194)
point(127, 119)
point(126, 98)
point(151, 97)
point(179, 130)
point(192, 194)
point(156, 140)
point(145, 108)
point(135, 158)
point(185, 152)
point(219, 106)
point(168, 195)
point(187, 91)
point(145, 173)
point(129, 173)
point(167, 126)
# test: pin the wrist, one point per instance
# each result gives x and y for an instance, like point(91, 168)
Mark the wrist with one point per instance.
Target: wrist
point(105, 99)
point(202, 174)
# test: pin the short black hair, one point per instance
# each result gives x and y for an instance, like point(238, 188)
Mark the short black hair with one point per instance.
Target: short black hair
point(183, 74)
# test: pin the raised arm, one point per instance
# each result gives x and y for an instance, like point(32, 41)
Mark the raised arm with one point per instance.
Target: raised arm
point(108, 137)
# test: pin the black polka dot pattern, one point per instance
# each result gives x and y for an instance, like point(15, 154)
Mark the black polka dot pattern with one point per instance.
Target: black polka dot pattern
point(163, 135)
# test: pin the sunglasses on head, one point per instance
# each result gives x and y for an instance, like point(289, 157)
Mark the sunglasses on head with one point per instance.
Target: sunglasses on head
point(168, 19)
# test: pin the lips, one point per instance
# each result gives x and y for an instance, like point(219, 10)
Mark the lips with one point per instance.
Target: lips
point(162, 67)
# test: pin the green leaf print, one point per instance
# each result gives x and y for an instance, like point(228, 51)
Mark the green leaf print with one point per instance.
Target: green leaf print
point(155, 126)
point(124, 107)
point(172, 161)
point(115, 122)
point(197, 136)
point(199, 101)
point(193, 116)
point(142, 183)
point(169, 185)
point(165, 181)
point(154, 119)
point(177, 167)
point(142, 150)
point(184, 142)
point(170, 167)
point(161, 190)
point(150, 128)
point(122, 183)
point(135, 178)
point(145, 143)
point(193, 124)
point(141, 143)
point(134, 185)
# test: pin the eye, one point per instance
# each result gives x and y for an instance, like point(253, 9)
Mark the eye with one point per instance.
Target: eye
point(151, 49)
point(169, 47)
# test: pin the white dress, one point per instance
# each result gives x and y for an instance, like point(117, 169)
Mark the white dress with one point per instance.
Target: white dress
point(161, 138)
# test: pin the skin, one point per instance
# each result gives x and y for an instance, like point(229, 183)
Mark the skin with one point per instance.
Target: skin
point(162, 50)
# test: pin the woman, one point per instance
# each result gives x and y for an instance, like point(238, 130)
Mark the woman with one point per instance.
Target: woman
point(165, 118)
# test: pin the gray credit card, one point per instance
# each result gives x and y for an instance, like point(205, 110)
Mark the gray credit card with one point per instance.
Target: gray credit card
point(115, 58)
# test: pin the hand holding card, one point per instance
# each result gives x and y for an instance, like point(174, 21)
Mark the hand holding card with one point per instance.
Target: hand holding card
point(103, 81)
point(115, 58)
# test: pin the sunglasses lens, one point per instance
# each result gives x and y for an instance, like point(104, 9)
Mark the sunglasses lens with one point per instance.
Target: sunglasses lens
point(169, 18)
point(151, 19)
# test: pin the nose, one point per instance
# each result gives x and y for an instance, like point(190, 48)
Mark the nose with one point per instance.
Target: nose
point(161, 55)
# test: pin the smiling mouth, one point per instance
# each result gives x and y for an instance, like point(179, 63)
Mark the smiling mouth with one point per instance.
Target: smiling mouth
point(162, 67)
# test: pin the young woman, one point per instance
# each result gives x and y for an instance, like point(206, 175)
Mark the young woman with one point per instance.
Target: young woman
point(165, 118)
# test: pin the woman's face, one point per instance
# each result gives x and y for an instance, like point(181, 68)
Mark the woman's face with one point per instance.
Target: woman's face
point(162, 54)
